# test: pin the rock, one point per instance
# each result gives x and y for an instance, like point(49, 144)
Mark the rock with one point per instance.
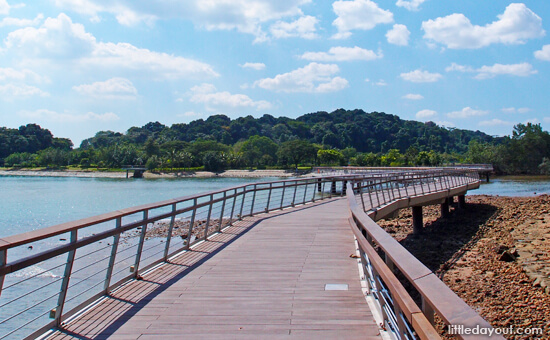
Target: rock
point(501, 249)
point(507, 257)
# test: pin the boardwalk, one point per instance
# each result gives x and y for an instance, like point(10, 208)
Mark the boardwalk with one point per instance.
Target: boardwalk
point(268, 282)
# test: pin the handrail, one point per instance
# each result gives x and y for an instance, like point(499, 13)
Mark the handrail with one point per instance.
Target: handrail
point(379, 274)
point(74, 263)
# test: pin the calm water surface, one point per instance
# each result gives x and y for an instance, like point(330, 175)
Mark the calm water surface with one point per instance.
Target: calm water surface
point(514, 186)
point(29, 203)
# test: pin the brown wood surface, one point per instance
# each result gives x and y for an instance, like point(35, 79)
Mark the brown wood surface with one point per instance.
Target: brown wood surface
point(263, 278)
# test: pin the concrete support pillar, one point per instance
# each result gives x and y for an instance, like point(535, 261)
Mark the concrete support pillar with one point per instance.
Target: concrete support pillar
point(487, 177)
point(319, 185)
point(358, 188)
point(445, 208)
point(333, 187)
point(418, 222)
point(344, 187)
point(462, 201)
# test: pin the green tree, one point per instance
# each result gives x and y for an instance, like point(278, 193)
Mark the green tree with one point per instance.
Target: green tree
point(330, 157)
point(295, 152)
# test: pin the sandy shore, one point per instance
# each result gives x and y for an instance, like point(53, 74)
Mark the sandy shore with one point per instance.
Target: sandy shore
point(107, 174)
point(495, 256)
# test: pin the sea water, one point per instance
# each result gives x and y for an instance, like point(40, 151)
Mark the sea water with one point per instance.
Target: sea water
point(30, 203)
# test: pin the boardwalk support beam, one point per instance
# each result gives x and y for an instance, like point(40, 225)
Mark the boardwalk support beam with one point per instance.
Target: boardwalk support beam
point(418, 222)
point(445, 208)
point(462, 201)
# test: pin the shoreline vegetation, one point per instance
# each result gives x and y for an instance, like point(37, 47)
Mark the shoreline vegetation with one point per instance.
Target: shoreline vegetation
point(149, 174)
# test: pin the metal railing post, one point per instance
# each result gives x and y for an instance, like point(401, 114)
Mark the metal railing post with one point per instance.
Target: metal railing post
point(253, 201)
point(191, 224)
point(66, 278)
point(222, 211)
point(232, 207)
point(313, 195)
point(112, 258)
point(242, 204)
point(305, 192)
point(294, 195)
point(268, 197)
point(140, 245)
point(283, 196)
point(3, 262)
point(208, 217)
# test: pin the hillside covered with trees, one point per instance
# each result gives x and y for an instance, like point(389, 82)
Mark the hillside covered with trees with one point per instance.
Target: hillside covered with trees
point(342, 137)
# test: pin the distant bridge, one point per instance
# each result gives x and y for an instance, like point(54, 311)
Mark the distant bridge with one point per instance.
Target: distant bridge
point(263, 260)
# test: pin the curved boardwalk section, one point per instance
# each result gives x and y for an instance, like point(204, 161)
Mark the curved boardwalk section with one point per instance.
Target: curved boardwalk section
point(280, 275)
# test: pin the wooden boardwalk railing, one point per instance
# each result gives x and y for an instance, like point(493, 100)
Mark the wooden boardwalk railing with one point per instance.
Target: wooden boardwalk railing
point(76, 263)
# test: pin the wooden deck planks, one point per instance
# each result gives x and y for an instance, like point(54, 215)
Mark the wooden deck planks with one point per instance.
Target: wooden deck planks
point(268, 282)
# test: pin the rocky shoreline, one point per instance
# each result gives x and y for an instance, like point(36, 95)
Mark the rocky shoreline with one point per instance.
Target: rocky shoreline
point(495, 256)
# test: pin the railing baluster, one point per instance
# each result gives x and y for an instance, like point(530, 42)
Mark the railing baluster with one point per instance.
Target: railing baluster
point(210, 206)
point(242, 204)
point(58, 313)
point(294, 196)
point(222, 211)
point(305, 192)
point(135, 268)
point(3, 262)
point(191, 224)
point(112, 258)
point(232, 207)
point(283, 196)
point(268, 197)
point(253, 201)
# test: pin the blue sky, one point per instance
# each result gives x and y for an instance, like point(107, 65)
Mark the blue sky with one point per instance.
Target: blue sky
point(80, 66)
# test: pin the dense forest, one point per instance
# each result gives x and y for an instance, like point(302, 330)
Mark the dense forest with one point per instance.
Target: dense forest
point(342, 137)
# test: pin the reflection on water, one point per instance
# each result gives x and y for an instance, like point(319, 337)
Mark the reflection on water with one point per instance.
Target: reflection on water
point(515, 186)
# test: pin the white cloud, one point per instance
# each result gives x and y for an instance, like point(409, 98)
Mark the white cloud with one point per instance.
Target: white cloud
point(206, 94)
point(411, 5)
point(419, 76)
point(398, 35)
point(304, 27)
point(381, 82)
point(486, 72)
point(311, 78)
point(515, 26)
point(513, 110)
point(60, 38)
point(412, 96)
point(114, 88)
point(466, 112)
point(20, 75)
point(9, 92)
point(495, 122)
point(22, 22)
point(426, 114)
point(459, 68)
point(343, 54)
point(48, 115)
point(445, 123)
point(245, 16)
point(518, 70)
point(254, 66)
point(544, 53)
point(358, 15)
point(4, 7)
